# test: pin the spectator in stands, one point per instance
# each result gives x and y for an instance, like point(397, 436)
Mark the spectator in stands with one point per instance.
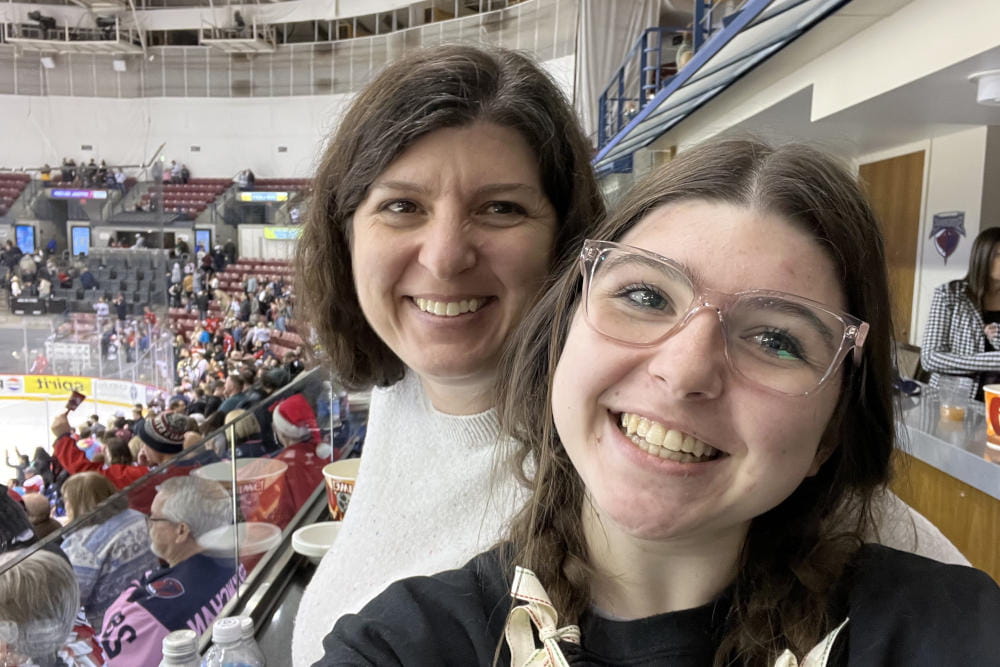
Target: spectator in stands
point(45, 175)
point(175, 172)
point(90, 174)
point(40, 514)
point(10, 258)
point(193, 587)
point(20, 465)
point(15, 287)
point(121, 308)
point(250, 442)
point(87, 443)
point(87, 279)
point(111, 550)
point(39, 605)
point(236, 385)
point(102, 309)
point(27, 267)
point(295, 421)
point(229, 248)
point(162, 438)
point(201, 300)
point(120, 180)
point(140, 241)
point(68, 171)
point(101, 180)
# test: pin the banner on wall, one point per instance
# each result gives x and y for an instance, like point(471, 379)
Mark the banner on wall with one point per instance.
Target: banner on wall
point(282, 233)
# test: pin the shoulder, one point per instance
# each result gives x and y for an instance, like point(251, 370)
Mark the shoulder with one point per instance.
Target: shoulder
point(907, 609)
point(455, 617)
point(953, 289)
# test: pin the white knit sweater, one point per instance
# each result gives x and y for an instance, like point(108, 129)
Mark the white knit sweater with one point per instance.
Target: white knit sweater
point(425, 501)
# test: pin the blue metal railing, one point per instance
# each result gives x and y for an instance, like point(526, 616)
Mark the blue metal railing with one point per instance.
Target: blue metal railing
point(649, 64)
point(648, 67)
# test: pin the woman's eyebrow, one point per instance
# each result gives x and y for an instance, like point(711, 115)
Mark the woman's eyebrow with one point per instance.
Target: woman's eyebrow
point(678, 267)
point(488, 189)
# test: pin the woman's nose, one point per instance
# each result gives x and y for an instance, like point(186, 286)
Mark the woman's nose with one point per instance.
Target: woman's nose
point(691, 362)
point(447, 247)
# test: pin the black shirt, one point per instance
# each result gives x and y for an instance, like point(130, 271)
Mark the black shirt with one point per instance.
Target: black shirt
point(904, 610)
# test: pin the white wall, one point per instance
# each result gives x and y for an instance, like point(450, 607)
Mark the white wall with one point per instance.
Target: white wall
point(232, 132)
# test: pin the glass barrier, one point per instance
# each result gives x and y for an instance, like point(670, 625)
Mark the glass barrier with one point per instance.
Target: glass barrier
point(212, 514)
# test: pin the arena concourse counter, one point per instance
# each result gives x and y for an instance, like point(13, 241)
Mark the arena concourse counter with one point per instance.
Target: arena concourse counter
point(948, 472)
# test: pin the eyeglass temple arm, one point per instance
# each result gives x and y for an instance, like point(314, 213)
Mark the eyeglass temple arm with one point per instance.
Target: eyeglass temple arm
point(860, 334)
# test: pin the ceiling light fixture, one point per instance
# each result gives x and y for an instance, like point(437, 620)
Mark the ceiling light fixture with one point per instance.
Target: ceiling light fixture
point(988, 83)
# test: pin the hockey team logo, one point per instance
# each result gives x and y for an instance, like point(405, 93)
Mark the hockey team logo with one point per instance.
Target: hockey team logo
point(167, 589)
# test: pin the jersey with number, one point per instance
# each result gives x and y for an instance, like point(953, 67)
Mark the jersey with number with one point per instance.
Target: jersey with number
point(187, 596)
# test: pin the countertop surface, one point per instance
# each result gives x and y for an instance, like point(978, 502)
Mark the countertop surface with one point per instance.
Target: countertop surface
point(956, 447)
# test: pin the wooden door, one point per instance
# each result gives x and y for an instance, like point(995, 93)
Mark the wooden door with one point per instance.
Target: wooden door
point(895, 187)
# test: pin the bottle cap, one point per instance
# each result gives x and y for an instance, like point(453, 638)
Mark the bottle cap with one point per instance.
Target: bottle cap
point(246, 626)
point(180, 644)
point(226, 630)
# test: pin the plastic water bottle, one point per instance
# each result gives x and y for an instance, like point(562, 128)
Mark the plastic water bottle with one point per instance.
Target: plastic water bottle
point(180, 649)
point(246, 626)
point(228, 649)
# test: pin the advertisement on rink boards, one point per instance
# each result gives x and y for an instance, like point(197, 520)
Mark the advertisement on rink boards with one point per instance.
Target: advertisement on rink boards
point(107, 393)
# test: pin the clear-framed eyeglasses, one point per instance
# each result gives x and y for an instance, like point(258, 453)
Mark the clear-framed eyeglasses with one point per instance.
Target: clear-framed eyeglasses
point(781, 342)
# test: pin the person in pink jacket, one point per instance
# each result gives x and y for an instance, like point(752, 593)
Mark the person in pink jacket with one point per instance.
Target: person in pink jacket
point(186, 594)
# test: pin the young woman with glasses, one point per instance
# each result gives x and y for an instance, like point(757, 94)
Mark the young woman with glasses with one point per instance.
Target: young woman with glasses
point(707, 402)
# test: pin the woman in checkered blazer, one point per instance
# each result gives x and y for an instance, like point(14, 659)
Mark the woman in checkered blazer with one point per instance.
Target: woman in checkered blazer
point(962, 337)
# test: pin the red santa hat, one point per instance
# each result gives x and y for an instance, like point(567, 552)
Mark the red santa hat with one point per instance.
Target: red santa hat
point(295, 420)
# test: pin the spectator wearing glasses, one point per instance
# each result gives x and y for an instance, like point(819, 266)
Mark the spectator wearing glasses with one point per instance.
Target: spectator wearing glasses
point(193, 586)
point(709, 411)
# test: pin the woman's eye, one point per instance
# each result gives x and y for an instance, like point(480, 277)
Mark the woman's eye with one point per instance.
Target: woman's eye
point(645, 297)
point(779, 344)
point(503, 208)
point(400, 206)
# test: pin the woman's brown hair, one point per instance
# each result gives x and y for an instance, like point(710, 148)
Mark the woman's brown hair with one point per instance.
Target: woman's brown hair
point(84, 491)
point(425, 91)
point(795, 553)
point(978, 277)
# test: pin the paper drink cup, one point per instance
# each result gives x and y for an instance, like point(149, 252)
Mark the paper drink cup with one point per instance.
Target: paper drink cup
point(340, 476)
point(991, 395)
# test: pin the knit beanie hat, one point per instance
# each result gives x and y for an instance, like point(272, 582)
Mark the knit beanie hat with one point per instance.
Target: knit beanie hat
point(295, 420)
point(164, 432)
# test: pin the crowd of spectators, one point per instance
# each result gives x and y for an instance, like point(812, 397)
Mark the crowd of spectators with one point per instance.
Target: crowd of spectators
point(133, 546)
point(88, 174)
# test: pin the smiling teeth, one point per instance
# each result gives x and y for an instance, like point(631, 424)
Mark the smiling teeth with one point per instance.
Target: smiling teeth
point(654, 438)
point(449, 308)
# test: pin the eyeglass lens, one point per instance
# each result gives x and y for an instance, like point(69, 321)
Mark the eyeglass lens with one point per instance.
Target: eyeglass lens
point(780, 343)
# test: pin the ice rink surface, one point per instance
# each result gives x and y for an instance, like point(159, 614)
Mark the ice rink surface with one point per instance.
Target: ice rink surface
point(24, 425)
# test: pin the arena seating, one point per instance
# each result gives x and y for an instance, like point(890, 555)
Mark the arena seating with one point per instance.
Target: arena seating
point(12, 184)
point(191, 198)
point(282, 184)
point(137, 274)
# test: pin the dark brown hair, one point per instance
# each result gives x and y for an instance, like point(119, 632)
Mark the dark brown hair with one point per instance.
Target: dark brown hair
point(118, 451)
point(978, 277)
point(794, 553)
point(425, 91)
